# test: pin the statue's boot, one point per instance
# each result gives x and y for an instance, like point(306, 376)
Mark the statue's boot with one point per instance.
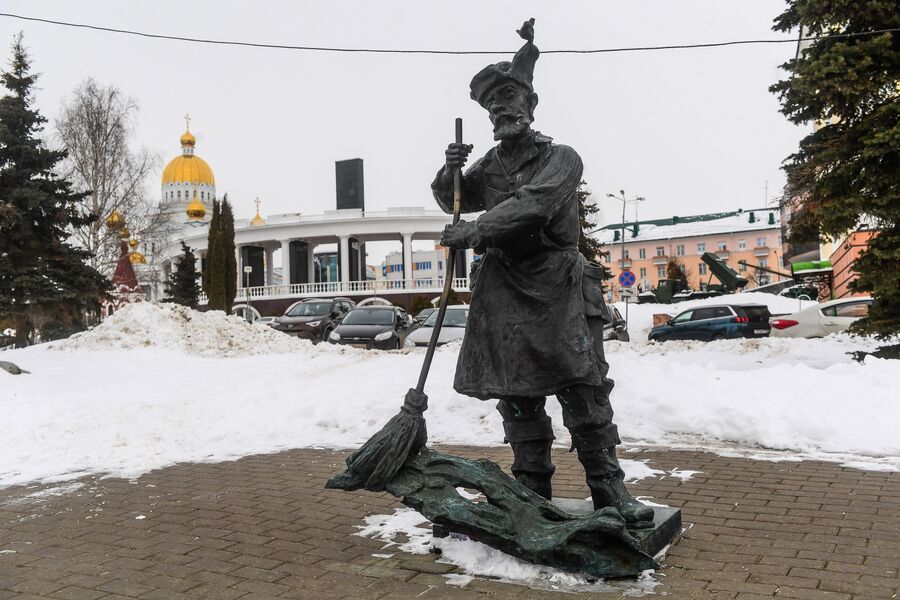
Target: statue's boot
point(605, 478)
point(531, 442)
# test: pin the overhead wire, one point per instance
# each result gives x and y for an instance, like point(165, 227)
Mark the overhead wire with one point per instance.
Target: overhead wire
point(446, 52)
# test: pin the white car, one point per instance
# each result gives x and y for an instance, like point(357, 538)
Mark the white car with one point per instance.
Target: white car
point(822, 319)
point(453, 328)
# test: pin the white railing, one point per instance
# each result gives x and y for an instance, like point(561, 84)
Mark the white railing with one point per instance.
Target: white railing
point(347, 214)
point(333, 288)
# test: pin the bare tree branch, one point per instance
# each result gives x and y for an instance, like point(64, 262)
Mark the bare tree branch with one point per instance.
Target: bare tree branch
point(97, 125)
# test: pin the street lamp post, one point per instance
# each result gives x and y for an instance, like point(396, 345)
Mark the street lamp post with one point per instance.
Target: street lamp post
point(247, 270)
point(624, 202)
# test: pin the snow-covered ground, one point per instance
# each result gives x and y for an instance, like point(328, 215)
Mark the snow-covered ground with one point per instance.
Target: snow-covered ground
point(153, 386)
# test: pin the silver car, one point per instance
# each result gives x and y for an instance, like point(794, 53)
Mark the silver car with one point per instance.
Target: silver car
point(822, 319)
point(453, 328)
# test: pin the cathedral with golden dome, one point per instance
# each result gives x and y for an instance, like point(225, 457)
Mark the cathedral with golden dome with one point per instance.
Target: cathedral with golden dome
point(188, 183)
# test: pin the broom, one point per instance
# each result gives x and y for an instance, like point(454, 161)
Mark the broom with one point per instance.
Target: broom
point(376, 463)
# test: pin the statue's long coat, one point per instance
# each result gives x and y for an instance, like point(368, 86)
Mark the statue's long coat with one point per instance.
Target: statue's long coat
point(527, 331)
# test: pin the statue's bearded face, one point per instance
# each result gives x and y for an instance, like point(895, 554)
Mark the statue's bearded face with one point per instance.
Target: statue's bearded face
point(510, 107)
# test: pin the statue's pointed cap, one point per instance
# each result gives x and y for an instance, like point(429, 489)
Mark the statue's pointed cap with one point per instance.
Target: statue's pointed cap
point(520, 70)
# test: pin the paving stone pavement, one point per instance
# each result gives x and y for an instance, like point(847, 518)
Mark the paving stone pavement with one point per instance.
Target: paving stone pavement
point(264, 527)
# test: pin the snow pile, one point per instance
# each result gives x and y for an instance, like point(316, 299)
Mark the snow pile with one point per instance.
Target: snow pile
point(640, 316)
point(128, 412)
point(175, 327)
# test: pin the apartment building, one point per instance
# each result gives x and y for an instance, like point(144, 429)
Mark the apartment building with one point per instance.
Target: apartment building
point(751, 235)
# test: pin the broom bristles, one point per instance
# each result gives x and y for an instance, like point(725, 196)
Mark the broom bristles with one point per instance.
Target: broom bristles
point(377, 462)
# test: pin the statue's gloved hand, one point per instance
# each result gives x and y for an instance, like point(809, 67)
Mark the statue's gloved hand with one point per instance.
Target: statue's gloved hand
point(459, 236)
point(456, 156)
point(527, 31)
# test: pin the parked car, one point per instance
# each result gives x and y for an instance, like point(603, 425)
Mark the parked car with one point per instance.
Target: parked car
point(269, 321)
point(615, 328)
point(373, 328)
point(822, 319)
point(453, 328)
point(424, 314)
point(315, 318)
point(726, 321)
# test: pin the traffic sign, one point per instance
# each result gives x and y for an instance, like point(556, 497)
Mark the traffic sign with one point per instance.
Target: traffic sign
point(626, 278)
point(627, 292)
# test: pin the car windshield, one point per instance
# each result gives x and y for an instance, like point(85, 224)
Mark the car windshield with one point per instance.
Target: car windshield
point(453, 318)
point(309, 309)
point(369, 317)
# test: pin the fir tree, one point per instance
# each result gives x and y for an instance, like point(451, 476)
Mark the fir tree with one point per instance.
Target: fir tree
point(847, 172)
point(589, 247)
point(46, 286)
point(214, 274)
point(676, 271)
point(182, 286)
point(229, 258)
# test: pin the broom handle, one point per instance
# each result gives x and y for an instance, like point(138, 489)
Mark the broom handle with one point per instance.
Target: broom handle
point(449, 273)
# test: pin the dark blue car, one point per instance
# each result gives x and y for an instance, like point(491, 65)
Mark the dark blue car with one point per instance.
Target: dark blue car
point(710, 323)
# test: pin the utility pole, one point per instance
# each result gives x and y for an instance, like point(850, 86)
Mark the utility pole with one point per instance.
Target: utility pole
point(625, 202)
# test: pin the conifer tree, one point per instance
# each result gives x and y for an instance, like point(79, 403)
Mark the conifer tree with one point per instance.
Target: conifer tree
point(46, 286)
point(214, 275)
point(847, 172)
point(229, 258)
point(182, 286)
point(589, 246)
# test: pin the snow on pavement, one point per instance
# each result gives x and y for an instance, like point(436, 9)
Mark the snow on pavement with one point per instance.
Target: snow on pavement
point(181, 387)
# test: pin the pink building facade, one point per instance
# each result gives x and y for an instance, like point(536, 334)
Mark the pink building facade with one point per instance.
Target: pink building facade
point(752, 236)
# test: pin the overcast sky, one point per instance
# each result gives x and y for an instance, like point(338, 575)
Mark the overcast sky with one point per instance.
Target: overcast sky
point(693, 131)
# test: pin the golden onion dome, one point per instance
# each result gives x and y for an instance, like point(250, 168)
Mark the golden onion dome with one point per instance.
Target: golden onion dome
point(196, 210)
point(188, 168)
point(188, 139)
point(257, 220)
point(114, 220)
point(134, 256)
point(124, 234)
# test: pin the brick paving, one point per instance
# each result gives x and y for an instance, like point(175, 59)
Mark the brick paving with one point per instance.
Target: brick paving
point(264, 527)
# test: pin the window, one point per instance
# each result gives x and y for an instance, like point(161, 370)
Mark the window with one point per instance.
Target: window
point(605, 256)
point(702, 314)
point(723, 247)
point(660, 272)
point(679, 250)
point(423, 265)
point(702, 269)
point(642, 253)
point(643, 272)
point(625, 253)
point(440, 265)
point(660, 251)
point(764, 262)
point(683, 317)
point(396, 268)
point(701, 247)
point(852, 309)
point(742, 244)
point(179, 195)
point(742, 266)
point(760, 242)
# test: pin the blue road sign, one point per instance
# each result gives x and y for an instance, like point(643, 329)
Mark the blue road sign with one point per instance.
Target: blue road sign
point(626, 279)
